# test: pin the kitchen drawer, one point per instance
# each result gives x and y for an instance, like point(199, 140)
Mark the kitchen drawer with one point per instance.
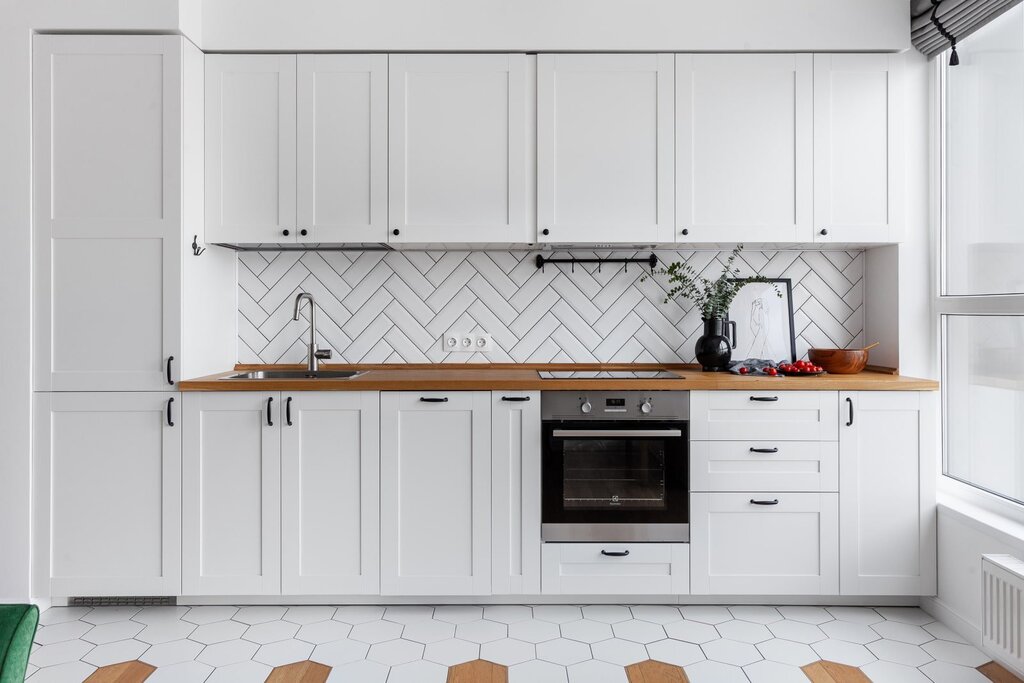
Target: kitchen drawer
point(790, 547)
point(647, 569)
point(764, 466)
point(764, 415)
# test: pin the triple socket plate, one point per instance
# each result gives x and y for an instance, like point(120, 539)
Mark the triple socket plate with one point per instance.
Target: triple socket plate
point(467, 342)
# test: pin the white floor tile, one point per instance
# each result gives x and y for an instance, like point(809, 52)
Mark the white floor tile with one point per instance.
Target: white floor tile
point(270, 632)
point(451, 652)
point(957, 653)
point(230, 652)
point(481, 631)
point(947, 672)
point(242, 672)
point(593, 671)
point(744, 631)
point(309, 614)
point(115, 630)
point(850, 632)
point(774, 672)
point(639, 631)
point(508, 651)
point(58, 633)
point(429, 631)
point(207, 614)
point(259, 614)
point(943, 632)
point(537, 671)
point(159, 615)
point(558, 614)
point(174, 652)
point(338, 652)
point(900, 653)
point(621, 652)
point(563, 651)
point(323, 631)
point(60, 653)
point(907, 615)
point(715, 672)
point(406, 614)
point(166, 631)
point(890, 672)
point(759, 614)
point(105, 615)
point(797, 631)
point(658, 614)
point(787, 652)
point(185, 672)
point(376, 631)
point(809, 614)
point(218, 632)
point(508, 614)
point(418, 672)
point(59, 615)
point(609, 614)
point(903, 632)
point(731, 652)
point(858, 615)
point(843, 652)
point(395, 652)
point(363, 671)
point(112, 653)
point(535, 631)
point(458, 614)
point(692, 631)
point(708, 614)
point(585, 630)
point(675, 652)
point(283, 652)
point(359, 614)
point(70, 672)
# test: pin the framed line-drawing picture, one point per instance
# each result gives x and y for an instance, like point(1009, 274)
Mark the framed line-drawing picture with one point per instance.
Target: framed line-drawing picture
point(764, 321)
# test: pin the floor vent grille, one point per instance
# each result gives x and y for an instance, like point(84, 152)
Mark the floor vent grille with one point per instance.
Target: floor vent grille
point(1003, 609)
point(123, 601)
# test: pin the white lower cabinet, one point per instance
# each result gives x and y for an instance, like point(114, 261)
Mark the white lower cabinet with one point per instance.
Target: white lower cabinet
point(515, 494)
point(435, 458)
point(330, 527)
point(764, 543)
point(887, 447)
point(616, 568)
point(108, 496)
point(231, 494)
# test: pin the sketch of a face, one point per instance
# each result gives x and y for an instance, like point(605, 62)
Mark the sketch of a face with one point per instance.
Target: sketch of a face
point(760, 347)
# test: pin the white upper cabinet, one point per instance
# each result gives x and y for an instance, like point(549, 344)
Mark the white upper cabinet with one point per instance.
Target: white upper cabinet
point(744, 148)
point(330, 498)
point(250, 148)
point(604, 148)
point(342, 148)
point(107, 211)
point(435, 508)
point(107, 517)
point(460, 135)
point(859, 152)
point(887, 447)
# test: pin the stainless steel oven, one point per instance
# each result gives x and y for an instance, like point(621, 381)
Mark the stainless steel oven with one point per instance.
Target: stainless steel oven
point(615, 466)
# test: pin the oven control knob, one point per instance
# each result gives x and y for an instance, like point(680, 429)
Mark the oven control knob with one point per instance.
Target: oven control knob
point(645, 407)
point(585, 407)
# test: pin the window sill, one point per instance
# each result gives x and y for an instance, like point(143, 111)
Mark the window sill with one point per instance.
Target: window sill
point(986, 512)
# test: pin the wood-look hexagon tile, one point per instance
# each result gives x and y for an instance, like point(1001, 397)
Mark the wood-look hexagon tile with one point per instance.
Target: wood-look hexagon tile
point(174, 652)
point(122, 672)
point(394, 652)
point(115, 630)
point(218, 632)
point(586, 631)
point(808, 614)
point(797, 631)
point(657, 614)
point(458, 614)
point(338, 652)
point(300, 672)
point(692, 632)
point(609, 614)
point(270, 632)
point(451, 652)
point(309, 614)
point(651, 670)
point(595, 671)
point(828, 670)
point(207, 614)
point(113, 653)
point(418, 672)
point(358, 614)
point(508, 614)
point(478, 671)
point(323, 631)
point(283, 652)
point(259, 614)
point(706, 614)
point(715, 672)
point(675, 652)
point(507, 651)
point(240, 672)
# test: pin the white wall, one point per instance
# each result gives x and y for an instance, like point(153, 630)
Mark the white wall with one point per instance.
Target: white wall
point(20, 19)
point(614, 25)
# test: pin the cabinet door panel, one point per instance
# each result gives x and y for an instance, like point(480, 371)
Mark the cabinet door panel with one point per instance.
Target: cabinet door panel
point(250, 148)
point(742, 548)
point(108, 496)
point(763, 415)
point(515, 462)
point(435, 493)
point(587, 569)
point(342, 148)
point(107, 210)
point(744, 147)
point(604, 148)
point(330, 493)
point(458, 139)
point(232, 488)
point(858, 148)
point(887, 478)
point(764, 466)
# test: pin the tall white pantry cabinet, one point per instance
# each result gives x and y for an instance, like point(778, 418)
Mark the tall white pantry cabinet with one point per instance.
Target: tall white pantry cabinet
point(117, 185)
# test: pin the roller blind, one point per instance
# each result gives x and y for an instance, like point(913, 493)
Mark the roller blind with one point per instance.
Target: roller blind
point(958, 18)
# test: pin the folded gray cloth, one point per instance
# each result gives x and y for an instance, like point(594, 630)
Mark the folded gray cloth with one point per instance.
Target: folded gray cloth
point(754, 366)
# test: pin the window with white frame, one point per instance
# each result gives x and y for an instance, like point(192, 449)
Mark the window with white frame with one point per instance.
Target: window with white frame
point(981, 292)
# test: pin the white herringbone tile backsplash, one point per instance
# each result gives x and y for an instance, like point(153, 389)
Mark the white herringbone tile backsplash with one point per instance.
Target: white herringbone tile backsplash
point(394, 307)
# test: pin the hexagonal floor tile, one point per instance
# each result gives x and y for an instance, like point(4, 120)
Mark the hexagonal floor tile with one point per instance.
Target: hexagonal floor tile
point(639, 631)
point(692, 631)
point(797, 631)
point(774, 672)
point(358, 614)
point(826, 670)
point(301, 672)
point(270, 632)
point(109, 633)
point(259, 614)
point(675, 652)
point(534, 630)
point(60, 653)
point(418, 672)
point(69, 630)
point(744, 631)
point(957, 653)
point(428, 631)
point(843, 652)
point(59, 615)
point(731, 652)
point(174, 652)
point(906, 615)
point(536, 671)
point(338, 652)
point(900, 653)
point(230, 652)
point(129, 672)
point(218, 632)
point(508, 651)
point(113, 653)
point(283, 652)
point(240, 671)
point(159, 615)
point(758, 614)
point(655, 671)
point(323, 631)
point(166, 631)
point(621, 652)
point(451, 652)
point(207, 614)
point(477, 670)
point(557, 614)
point(706, 614)
point(858, 615)
point(508, 614)
point(609, 614)
point(903, 632)
point(406, 614)
point(458, 614)
point(364, 671)
point(890, 672)
point(563, 651)
point(787, 652)
point(809, 614)
point(105, 615)
point(658, 614)
point(309, 614)
point(376, 631)
point(943, 632)
point(594, 671)
point(394, 652)
point(185, 672)
point(64, 673)
point(849, 632)
point(715, 672)
point(586, 631)
point(481, 631)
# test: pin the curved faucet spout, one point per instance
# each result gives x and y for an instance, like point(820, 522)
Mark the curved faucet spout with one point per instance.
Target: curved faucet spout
point(313, 355)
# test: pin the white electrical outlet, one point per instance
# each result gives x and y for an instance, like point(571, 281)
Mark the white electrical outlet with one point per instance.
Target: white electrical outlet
point(467, 342)
point(483, 342)
point(450, 342)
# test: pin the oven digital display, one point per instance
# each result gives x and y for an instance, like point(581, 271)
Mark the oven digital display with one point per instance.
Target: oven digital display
point(615, 402)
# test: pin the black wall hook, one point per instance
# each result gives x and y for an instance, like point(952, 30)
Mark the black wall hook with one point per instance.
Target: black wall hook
point(196, 249)
point(650, 261)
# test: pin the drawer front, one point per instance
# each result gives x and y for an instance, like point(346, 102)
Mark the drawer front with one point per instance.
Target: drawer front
point(764, 415)
point(764, 466)
point(645, 569)
point(742, 548)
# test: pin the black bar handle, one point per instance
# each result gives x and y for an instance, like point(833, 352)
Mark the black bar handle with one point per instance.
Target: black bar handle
point(615, 553)
point(434, 399)
point(764, 502)
point(170, 422)
point(849, 402)
point(288, 411)
point(515, 399)
point(270, 423)
point(170, 359)
point(764, 450)
point(768, 399)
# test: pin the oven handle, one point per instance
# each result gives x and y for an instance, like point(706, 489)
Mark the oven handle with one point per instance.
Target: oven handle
point(616, 432)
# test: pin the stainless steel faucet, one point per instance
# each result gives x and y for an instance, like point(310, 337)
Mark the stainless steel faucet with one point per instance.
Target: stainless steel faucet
point(313, 354)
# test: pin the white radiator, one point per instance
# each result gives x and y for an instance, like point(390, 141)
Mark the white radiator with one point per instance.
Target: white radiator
point(1003, 609)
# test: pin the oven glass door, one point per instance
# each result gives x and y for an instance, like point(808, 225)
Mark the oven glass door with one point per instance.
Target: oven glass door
point(615, 473)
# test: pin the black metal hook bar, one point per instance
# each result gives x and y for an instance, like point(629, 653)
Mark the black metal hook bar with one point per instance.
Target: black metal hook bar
point(196, 249)
point(650, 261)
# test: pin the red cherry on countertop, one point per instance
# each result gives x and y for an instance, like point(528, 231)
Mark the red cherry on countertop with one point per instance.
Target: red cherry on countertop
point(744, 371)
point(772, 371)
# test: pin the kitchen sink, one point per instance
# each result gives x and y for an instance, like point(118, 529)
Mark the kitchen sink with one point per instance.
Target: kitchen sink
point(297, 374)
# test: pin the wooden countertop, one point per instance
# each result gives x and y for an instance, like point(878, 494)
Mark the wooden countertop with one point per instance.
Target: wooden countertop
point(524, 377)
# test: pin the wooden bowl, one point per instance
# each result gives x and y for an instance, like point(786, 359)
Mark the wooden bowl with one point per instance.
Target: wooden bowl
point(839, 361)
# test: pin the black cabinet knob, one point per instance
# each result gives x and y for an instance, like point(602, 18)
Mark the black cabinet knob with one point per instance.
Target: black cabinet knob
point(545, 231)
point(286, 232)
point(303, 232)
point(395, 231)
point(824, 231)
point(686, 231)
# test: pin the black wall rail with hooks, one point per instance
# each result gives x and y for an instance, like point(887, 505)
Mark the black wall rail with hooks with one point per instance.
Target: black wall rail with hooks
point(649, 261)
point(196, 249)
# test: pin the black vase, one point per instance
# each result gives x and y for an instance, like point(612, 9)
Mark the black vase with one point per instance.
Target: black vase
point(714, 348)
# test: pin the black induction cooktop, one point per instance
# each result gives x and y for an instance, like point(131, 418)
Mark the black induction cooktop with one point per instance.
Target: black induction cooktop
point(607, 374)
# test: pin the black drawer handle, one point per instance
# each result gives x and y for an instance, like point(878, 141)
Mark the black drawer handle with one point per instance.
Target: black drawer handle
point(764, 450)
point(288, 411)
point(764, 502)
point(615, 553)
point(767, 399)
point(849, 402)
point(433, 399)
point(270, 423)
point(170, 422)
point(170, 359)
point(515, 399)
